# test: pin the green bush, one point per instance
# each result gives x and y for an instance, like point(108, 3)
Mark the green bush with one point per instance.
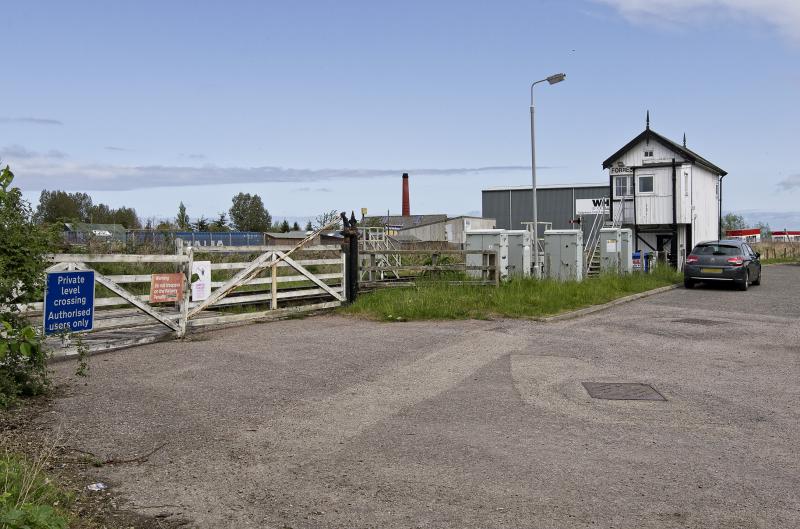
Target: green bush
point(22, 272)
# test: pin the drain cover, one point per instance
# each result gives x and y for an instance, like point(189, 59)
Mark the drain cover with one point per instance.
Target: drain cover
point(697, 321)
point(621, 391)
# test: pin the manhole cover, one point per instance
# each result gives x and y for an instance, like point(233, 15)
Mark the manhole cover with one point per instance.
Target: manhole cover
point(621, 391)
point(698, 321)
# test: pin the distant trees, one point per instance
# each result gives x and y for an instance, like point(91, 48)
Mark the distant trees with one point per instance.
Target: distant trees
point(284, 226)
point(249, 214)
point(60, 206)
point(182, 220)
point(326, 218)
point(221, 223)
point(732, 221)
point(201, 224)
point(295, 226)
point(309, 227)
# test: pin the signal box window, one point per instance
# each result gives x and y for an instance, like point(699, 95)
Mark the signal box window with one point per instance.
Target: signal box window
point(645, 184)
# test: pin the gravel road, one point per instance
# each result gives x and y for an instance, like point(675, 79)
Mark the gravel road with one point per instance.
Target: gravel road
point(334, 422)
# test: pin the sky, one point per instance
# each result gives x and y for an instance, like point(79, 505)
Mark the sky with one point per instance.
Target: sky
point(321, 105)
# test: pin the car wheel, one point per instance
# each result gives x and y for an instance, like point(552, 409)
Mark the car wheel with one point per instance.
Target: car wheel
point(746, 283)
point(757, 281)
point(688, 283)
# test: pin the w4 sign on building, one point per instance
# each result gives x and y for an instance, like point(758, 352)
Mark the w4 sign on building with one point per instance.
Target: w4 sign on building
point(69, 302)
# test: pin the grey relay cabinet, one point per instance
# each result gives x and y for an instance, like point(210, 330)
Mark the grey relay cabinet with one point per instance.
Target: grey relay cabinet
point(563, 254)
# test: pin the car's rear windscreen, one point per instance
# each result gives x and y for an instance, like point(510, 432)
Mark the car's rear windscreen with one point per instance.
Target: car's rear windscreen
point(716, 249)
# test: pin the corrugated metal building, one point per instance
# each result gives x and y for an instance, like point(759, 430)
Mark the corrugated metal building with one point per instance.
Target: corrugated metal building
point(559, 204)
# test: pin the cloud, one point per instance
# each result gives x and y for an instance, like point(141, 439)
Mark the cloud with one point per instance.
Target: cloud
point(41, 173)
point(790, 183)
point(33, 121)
point(119, 149)
point(18, 152)
point(784, 15)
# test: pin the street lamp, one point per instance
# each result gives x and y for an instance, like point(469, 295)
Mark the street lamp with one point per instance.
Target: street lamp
point(537, 272)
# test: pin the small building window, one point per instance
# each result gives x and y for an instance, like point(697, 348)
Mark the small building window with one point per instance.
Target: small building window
point(646, 184)
point(648, 153)
point(622, 186)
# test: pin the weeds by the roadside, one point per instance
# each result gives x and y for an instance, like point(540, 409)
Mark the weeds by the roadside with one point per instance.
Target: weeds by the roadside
point(518, 298)
point(28, 498)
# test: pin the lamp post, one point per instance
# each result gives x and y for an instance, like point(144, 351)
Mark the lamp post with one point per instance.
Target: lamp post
point(537, 272)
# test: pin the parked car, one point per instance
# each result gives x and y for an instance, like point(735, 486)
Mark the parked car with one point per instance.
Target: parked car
point(726, 260)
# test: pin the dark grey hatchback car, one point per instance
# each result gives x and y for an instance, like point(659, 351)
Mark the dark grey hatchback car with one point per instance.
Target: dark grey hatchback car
point(723, 261)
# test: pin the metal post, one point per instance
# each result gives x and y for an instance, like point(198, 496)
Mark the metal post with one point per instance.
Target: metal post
point(536, 271)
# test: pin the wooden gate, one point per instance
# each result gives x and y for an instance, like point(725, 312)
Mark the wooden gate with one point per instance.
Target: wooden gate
point(278, 281)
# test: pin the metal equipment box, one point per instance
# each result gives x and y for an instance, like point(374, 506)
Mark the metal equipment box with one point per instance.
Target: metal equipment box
point(563, 254)
point(494, 240)
point(519, 252)
point(610, 248)
point(626, 251)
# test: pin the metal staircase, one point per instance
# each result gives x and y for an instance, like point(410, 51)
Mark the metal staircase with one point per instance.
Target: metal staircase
point(592, 246)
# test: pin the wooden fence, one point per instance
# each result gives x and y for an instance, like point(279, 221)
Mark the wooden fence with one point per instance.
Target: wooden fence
point(385, 267)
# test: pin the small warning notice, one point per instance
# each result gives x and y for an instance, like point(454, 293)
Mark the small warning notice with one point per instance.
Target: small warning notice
point(166, 288)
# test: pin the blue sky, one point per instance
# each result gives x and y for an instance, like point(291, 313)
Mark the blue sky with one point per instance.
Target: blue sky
point(321, 105)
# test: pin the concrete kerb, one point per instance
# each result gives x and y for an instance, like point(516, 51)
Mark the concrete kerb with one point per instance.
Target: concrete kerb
point(597, 308)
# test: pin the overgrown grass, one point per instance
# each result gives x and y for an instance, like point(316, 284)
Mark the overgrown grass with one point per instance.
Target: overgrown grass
point(518, 298)
point(28, 498)
point(781, 260)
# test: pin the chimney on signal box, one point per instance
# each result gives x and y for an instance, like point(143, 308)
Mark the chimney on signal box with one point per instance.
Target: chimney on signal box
point(406, 204)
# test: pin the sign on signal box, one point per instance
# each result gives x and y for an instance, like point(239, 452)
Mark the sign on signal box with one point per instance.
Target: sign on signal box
point(69, 302)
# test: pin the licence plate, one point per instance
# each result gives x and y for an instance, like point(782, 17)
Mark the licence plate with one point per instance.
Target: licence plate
point(711, 270)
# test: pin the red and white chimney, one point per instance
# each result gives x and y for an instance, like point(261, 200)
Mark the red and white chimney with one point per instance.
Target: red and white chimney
point(406, 201)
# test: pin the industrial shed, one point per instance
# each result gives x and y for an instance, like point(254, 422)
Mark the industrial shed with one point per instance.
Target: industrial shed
point(559, 204)
point(449, 230)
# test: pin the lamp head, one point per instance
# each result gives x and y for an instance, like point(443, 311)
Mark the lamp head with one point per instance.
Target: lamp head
point(557, 78)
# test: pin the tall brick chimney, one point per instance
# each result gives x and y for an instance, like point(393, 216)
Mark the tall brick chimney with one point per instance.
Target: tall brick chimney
point(406, 203)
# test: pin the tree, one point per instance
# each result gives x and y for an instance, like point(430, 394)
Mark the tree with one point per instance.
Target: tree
point(182, 220)
point(127, 217)
point(309, 227)
point(284, 228)
point(221, 223)
point(295, 227)
point(201, 224)
point(249, 214)
point(766, 231)
point(60, 206)
point(732, 221)
point(326, 218)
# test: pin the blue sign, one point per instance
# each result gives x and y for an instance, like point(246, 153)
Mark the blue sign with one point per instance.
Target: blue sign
point(69, 302)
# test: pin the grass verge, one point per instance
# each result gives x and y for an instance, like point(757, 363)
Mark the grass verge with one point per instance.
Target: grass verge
point(518, 298)
point(28, 498)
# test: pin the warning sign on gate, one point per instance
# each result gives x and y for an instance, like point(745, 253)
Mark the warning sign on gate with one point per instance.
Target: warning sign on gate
point(166, 288)
point(69, 302)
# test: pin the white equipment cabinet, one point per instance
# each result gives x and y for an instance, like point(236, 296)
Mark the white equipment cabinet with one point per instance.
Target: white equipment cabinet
point(563, 254)
point(519, 252)
point(610, 248)
point(494, 240)
point(626, 251)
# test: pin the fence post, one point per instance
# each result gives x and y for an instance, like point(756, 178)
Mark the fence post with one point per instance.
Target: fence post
point(183, 317)
point(274, 287)
point(350, 232)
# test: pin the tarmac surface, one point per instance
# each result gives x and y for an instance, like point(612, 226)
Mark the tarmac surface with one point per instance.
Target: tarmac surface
point(335, 422)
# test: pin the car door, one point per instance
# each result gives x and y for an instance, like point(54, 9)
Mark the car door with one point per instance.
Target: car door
point(753, 266)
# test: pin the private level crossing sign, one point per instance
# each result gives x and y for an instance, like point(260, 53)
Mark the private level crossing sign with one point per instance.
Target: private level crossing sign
point(69, 302)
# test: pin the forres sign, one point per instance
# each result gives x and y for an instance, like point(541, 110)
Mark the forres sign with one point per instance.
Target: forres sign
point(166, 288)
